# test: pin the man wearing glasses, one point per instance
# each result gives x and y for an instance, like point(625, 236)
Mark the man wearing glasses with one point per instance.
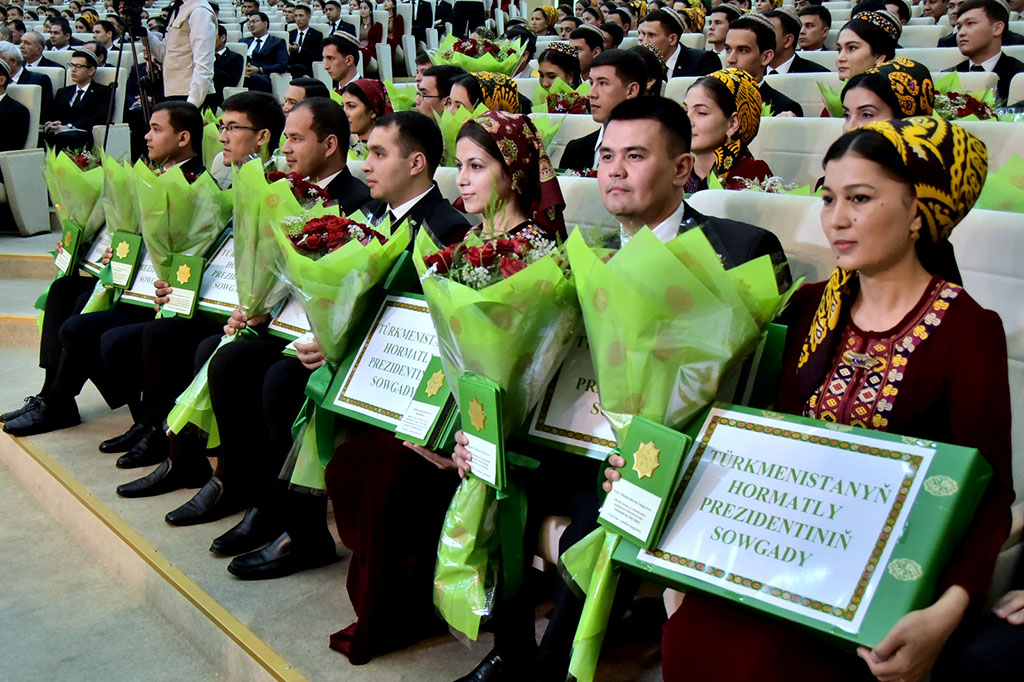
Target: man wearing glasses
point(78, 107)
point(432, 94)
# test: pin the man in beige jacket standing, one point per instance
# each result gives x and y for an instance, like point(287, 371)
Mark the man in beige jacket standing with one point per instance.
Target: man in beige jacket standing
point(187, 51)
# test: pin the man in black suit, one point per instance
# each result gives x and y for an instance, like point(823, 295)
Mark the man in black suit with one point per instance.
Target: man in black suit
point(32, 46)
point(816, 22)
point(10, 54)
point(267, 54)
point(14, 114)
point(980, 27)
point(79, 107)
point(332, 12)
point(787, 32)
point(615, 76)
point(405, 150)
point(422, 19)
point(662, 28)
point(304, 44)
point(750, 46)
point(60, 35)
point(227, 69)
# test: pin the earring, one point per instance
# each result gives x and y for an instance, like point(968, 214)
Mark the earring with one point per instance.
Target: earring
point(915, 235)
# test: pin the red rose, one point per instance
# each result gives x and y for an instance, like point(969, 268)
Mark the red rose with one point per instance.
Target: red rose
point(504, 246)
point(275, 176)
point(313, 242)
point(522, 245)
point(510, 266)
point(442, 259)
point(481, 256)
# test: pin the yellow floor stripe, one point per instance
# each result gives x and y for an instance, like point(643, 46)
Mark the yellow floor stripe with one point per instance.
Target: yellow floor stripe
point(269, 659)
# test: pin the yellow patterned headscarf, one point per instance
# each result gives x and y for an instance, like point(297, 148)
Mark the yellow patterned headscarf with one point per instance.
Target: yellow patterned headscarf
point(747, 99)
point(948, 165)
point(776, 4)
point(696, 17)
point(500, 91)
point(905, 85)
point(550, 15)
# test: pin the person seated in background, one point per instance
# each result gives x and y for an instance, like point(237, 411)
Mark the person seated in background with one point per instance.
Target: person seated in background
point(654, 62)
point(370, 33)
point(897, 89)
point(341, 57)
point(304, 43)
point(589, 42)
point(105, 33)
point(815, 23)
point(663, 28)
point(332, 13)
point(613, 35)
point(787, 32)
point(77, 107)
point(267, 54)
point(98, 50)
point(529, 40)
point(15, 60)
point(615, 76)
point(17, 29)
point(301, 89)
point(567, 26)
point(394, 30)
point(423, 62)
point(60, 35)
point(866, 41)
point(227, 68)
point(724, 110)
point(543, 20)
point(934, 9)
point(750, 47)
point(559, 61)
point(364, 100)
point(718, 27)
point(980, 28)
point(32, 47)
point(592, 16)
point(434, 89)
point(900, 9)
point(14, 114)
point(495, 91)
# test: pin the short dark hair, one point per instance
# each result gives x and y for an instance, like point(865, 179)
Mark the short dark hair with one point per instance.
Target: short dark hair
point(221, 31)
point(666, 20)
point(262, 17)
point(107, 26)
point(445, 75)
point(63, 24)
point(311, 86)
point(670, 114)
point(346, 47)
point(592, 38)
point(577, 22)
point(422, 59)
point(789, 24)
point(817, 11)
point(614, 31)
point(262, 110)
point(655, 69)
point(98, 50)
point(566, 62)
point(902, 9)
point(524, 35)
point(18, 25)
point(765, 36)
point(629, 68)
point(625, 14)
point(995, 11)
point(332, 2)
point(328, 119)
point(416, 133)
point(185, 117)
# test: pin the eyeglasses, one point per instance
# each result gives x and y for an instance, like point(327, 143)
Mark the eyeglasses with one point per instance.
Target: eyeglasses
point(233, 127)
point(80, 66)
point(426, 96)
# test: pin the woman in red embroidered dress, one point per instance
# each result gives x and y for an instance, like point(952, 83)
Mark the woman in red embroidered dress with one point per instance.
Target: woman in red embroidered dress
point(937, 369)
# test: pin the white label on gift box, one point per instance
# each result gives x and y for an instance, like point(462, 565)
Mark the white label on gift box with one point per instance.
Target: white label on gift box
point(800, 517)
point(218, 291)
point(418, 419)
point(484, 464)
point(180, 301)
point(142, 290)
point(93, 261)
point(291, 321)
point(120, 272)
point(305, 338)
point(63, 260)
point(631, 508)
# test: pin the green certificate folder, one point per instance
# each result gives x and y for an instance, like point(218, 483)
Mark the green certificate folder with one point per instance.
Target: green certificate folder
point(637, 505)
point(126, 249)
point(431, 416)
point(840, 529)
point(186, 278)
point(480, 408)
point(71, 239)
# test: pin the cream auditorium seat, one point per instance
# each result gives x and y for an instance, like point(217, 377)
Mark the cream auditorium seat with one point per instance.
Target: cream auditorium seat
point(802, 88)
point(1016, 89)
point(794, 147)
point(583, 206)
point(24, 190)
point(573, 126)
point(695, 40)
point(527, 86)
point(973, 82)
point(242, 49)
point(1002, 139)
point(675, 88)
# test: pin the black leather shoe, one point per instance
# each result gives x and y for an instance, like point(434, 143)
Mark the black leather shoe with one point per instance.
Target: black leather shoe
point(43, 417)
point(152, 448)
point(30, 404)
point(495, 668)
point(127, 440)
point(282, 557)
point(254, 531)
point(167, 477)
point(211, 503)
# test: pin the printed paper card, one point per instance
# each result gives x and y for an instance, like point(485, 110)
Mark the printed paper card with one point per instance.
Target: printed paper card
point(93, 260)
point(290, 321)
point(378, 379)
point(569, 415)
point(219, 293)
point(480, 407)
point(431, 409)
point(638, 503)
point(70, 244)
point(124, 258)
point(143, 290)
point(798, 517)
point(186, 278)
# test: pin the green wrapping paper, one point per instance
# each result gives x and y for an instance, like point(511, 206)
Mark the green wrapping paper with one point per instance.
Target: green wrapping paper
point(833, 101)
point(450, 124)
point(1004, 188)
point(588, 566)
point(547, 126)
point(559, 87)
point(211, 137)
point(446, 54)
point(515, 333)
point(76, 193)
point(402, 97)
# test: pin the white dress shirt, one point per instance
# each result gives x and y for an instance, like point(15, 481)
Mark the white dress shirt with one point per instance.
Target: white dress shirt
point(665, 231)
point(399, 212)
point(783, 67)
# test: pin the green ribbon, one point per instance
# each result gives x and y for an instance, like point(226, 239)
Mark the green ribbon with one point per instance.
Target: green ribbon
point(319, 419)
point(511, 522)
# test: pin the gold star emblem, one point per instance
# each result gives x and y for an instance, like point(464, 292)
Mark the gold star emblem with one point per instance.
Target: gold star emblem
point(645, 460)
point(184, 274)
point(67, 238)
point(435, 384)
point(477, 415)
point(122, 250)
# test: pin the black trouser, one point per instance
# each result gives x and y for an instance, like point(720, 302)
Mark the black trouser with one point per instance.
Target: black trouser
point(466, 17)
point(67, 296)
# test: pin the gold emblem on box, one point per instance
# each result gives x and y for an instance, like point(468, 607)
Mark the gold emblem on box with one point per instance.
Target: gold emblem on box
point(435, 384)
point(905, 569)
point(941, 486)
point(184, 274)
point(477, 415)
point(645, 460)
point(122, 249)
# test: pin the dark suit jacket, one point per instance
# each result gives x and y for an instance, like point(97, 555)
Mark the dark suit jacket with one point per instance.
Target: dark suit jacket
point(348, 192)
point(15, 116)
point(778, 101)
point(30, 77)
point(433, 212)
point(695, 62)
point(309, 52)
point(272, 56)
point(801, 65)
point(948, 41)
point(43, 61)
point(1009, 38)
point(579, 153)
point(1006, 68)
point(90, 112)
point(193, 166)
point(227, 69)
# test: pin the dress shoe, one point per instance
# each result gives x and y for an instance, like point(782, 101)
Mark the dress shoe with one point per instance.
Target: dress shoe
point(211, 503)
point(127, 440)
point(167, 477)
point(43, 417)
point(254, 531)
point(496, 667)
point(152, 448)
point(282, 557)
point(30, 404)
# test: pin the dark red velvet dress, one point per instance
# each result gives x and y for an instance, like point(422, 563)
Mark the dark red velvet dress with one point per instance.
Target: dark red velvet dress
point(954, 389)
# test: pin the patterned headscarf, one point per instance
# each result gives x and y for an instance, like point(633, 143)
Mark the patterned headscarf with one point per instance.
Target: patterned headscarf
point(550, 15)
point(500, 91)
point(747, 98)
point(531, 171)
point(653, 49)
point(696, 17)
point(905, 85)
point(948, 165)
point(564, 48)
point(639, 7)
point(776, 4)
point(375, 94)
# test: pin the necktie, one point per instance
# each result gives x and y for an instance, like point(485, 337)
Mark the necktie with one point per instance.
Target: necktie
point(334, 27)
point(256, 49)
point(78, 98)
point(302, 35)
point(977, 67)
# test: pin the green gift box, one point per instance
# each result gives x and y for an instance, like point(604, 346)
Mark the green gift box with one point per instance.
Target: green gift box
point(71, 240)
point(431, 416)
point(841, 529)
point(186, 278)
point(124, 259)
point(480, 408)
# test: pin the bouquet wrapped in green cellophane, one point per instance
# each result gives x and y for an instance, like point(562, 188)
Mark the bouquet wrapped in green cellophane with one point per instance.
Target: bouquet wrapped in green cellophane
point(562, 98)
point(211, 137)
point(450, 124)
point(501, 56)
point(402, 96)
point(1004, 188)
point(76, 192)
point(505, 310)
point(665, 323)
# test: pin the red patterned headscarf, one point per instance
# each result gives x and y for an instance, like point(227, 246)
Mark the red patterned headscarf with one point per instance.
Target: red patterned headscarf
point(530, 169)
point(375, 94)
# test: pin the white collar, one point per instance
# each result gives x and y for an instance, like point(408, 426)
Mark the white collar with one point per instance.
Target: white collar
point(83, 88)
point(597, 145)
point(36, 62)
point(220, 53)
point(323, 182)
point(670, 62)
point(401, 210)
point(990, 64)
point(785, 66)
point(666, 231)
